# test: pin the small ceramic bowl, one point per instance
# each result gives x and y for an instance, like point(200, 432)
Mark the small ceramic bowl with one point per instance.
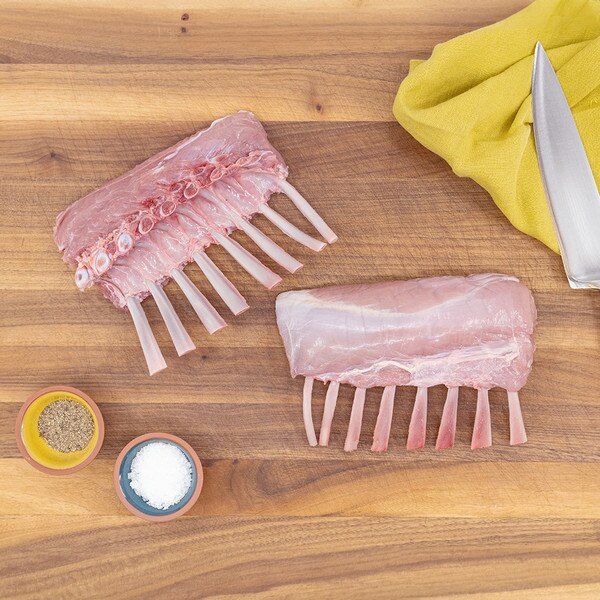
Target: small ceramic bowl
point(135, 503)
point(34, 448)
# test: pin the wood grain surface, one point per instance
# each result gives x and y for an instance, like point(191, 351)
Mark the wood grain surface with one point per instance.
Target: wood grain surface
point(89, 88)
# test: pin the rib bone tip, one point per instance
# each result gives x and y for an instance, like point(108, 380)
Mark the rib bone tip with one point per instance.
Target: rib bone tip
point(444, 443)
point(417, 446)
point(377, 448)
point(480, 446)
point(216, 328)
point(156, 370)
point(519, 442)
point(443, 446)
point(274, 283)
point(186, 351)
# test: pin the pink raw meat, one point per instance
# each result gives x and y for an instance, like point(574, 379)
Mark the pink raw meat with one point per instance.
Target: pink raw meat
point(474, 331)
point(135, 233)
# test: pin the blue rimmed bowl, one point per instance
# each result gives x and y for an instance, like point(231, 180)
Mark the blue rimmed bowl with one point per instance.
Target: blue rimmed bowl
point(135, 503)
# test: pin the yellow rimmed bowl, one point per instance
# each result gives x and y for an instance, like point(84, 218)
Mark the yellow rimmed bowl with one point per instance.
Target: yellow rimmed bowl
point(34, 448)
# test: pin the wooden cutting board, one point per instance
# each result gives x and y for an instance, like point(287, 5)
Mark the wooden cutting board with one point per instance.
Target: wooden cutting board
point(89, 89)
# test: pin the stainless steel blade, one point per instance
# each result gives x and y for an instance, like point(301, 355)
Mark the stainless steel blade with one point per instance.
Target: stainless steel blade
point(567, 176)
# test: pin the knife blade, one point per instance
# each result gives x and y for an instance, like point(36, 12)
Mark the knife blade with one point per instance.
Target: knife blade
point(568, 179)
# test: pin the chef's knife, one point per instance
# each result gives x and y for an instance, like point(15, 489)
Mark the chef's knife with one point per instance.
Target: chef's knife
point(568, 180)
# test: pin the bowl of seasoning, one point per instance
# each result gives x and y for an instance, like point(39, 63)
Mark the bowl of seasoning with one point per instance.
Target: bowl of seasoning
point(59, 430)
point(158, 476)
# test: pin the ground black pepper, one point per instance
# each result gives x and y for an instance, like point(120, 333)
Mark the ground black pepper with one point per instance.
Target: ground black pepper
point(66, 425)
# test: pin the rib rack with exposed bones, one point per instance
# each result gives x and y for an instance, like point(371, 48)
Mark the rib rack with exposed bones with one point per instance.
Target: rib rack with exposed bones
point(140, 230)
point(474, 331)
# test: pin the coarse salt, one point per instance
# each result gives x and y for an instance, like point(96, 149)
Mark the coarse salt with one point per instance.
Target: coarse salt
point(161, 474)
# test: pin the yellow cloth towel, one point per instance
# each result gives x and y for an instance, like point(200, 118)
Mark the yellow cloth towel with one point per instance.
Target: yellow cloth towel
point(470, 102)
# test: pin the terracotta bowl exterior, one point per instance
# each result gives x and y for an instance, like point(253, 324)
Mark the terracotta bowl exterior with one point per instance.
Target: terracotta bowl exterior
point(98, 434)
point(192, 454)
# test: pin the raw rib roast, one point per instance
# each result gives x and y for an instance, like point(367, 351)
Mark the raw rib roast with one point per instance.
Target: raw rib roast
point(474, 331)
point(135, 233)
